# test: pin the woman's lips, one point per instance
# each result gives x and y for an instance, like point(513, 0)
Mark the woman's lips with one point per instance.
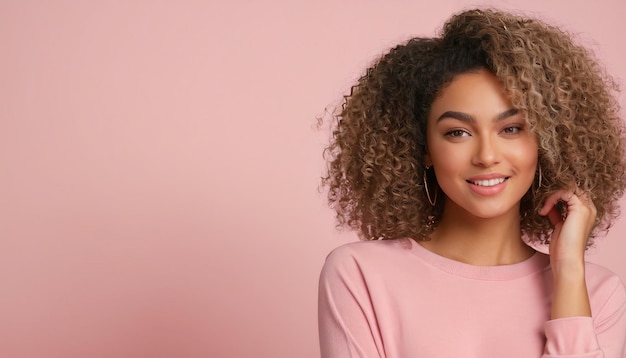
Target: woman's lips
point(487, 186)
point(488, 182)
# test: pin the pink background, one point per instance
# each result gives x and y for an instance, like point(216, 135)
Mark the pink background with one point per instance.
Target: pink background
point(158, 190)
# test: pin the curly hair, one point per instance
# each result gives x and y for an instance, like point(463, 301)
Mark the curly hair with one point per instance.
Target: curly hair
point(376, 154)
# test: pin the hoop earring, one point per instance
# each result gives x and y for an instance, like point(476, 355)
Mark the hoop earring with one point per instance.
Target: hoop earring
point(430, 200)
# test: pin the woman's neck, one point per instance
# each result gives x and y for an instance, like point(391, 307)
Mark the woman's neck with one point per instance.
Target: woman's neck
point(479, 241)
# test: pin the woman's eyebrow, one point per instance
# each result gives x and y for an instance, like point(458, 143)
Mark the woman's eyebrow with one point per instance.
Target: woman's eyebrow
point(469, 118)
point(456, 115)
point(506, 114)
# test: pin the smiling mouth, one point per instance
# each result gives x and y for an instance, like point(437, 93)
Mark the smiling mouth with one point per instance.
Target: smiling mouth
point(488, 182)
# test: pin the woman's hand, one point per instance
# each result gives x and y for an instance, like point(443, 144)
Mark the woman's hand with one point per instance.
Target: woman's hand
point(567, 250)
point(573, 228)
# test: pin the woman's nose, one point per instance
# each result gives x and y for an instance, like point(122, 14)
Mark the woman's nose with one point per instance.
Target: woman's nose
point(487, 152)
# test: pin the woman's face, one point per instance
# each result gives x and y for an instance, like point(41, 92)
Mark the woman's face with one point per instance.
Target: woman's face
point(482, 150)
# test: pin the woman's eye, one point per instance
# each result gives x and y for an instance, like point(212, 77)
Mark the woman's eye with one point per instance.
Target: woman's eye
point(512, 130)
point(457, 133)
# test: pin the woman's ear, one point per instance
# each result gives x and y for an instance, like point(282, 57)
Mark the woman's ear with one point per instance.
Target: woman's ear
point(427, 161)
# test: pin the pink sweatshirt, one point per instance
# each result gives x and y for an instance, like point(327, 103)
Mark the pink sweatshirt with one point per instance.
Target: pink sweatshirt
point(394, 298)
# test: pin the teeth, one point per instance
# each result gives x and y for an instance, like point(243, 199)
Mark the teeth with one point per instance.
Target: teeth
point(489, 182)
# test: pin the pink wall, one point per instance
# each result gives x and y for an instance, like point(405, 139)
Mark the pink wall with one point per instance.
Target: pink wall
point(159, 166)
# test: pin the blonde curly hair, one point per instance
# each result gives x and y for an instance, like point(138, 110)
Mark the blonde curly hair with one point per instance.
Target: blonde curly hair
point(376, 154)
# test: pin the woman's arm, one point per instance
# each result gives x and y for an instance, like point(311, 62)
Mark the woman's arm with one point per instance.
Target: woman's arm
point(567, 251)
point(571, 330)
point(346, 318)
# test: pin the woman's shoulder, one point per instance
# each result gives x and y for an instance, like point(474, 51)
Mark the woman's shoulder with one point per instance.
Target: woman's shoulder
point(607, 296)
point(604, 285)
point(368, 254)
point(371, 249)
point(598, 272)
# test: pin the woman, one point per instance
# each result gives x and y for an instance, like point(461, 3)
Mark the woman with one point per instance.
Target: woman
point(450, 156)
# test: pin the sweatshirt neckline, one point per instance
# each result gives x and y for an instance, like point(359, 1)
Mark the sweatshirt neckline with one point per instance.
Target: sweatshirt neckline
point(536, 263)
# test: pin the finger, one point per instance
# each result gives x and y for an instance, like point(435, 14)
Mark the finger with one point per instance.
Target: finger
point(564, 195)
point(585, 198)
point(583, 201)
point(555, 216)
point(580, 200)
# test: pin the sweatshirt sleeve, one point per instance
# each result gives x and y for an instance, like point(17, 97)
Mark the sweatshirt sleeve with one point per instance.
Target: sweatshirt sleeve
point(603, 336)
point(347, 323)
